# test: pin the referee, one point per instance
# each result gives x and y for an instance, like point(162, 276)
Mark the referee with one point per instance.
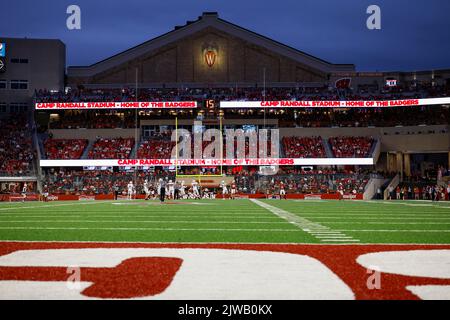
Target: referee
point(162, 190)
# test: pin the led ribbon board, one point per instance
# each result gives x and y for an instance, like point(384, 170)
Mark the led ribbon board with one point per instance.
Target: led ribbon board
point(334, 104)
point(116, 105)
point(205, 162)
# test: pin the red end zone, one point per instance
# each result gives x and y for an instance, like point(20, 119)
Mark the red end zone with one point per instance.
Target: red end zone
point(135, 271)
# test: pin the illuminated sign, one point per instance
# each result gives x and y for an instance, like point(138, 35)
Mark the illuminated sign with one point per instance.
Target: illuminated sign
point(2, 49)
point(210, 58)
point(391, 82)
point(116, 105)
point(210, 54)
point(210, 104)
point(343, 83)
point(2, 65)
point(206, 162)
point(290, 104)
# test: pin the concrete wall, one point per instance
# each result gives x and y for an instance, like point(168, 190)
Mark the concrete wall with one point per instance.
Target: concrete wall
point(91, 134)
point(45, 68)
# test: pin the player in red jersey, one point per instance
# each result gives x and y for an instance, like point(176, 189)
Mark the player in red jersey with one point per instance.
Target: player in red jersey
point(282, 191)
point(233, 190)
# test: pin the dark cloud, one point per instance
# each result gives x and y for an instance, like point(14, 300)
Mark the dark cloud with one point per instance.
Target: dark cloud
point(414, 35)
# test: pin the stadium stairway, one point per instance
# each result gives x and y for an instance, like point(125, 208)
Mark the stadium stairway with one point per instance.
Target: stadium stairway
point(136, 146)
point(87, 149)
point(41, 137)
point(327, 147)
point(370, 191)
point(376, 150)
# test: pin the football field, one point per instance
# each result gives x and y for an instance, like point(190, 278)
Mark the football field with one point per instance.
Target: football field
point(229, 221)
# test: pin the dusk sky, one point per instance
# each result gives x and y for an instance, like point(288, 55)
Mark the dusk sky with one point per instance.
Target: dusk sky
point(415, 35)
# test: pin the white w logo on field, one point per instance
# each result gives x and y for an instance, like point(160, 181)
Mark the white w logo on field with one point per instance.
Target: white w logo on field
point(238, 144)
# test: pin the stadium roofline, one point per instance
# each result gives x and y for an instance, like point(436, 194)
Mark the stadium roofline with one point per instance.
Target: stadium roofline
point(214, 15)
point(285, 45)
point(31, 39)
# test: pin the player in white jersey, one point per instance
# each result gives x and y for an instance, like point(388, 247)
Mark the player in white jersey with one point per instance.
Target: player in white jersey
point(130, 188)
point(171, 188)
point(24, 191)
point(45, 193)
point(224, 189)
point(195, 192)
point(182, 190)
point(146, 189)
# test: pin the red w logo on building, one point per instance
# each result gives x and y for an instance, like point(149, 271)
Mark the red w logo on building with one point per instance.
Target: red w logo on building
point(210, 57)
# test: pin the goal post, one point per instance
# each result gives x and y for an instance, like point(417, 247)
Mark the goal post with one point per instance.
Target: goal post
point(198, 176)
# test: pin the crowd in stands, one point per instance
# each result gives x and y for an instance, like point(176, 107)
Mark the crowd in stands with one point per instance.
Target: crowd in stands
point(155, 149)
point(407, 191)
point(376, 117)
point(351, 147)
point(301, 117)
point(68, 181)
point(16, 188)
point(248, 180)
point(93, 120)
point(111, 148)
point(16, 146)
point(118, 95)
point(351, 184)
point(316, 92)
point(64, 148)
point(303, 147)
point(307, 118)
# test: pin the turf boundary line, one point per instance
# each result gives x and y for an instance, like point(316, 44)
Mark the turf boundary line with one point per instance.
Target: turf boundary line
point(306, 225)
point(219, 243)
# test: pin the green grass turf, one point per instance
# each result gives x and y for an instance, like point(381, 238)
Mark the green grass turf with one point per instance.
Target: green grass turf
point(240, 221)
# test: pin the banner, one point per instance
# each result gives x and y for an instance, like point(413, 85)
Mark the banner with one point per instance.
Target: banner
point(334, 104)
point(116, 105)
point(207, 162)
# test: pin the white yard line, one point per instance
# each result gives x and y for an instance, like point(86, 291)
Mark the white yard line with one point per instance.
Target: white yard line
point(368, 222)
point(147, 229)
point(392, 230)
point(222, 242)
point(339, 240)
point(141, 221)
point(93, 215)
point(304, 224)
point(381, 217)
point(430, 204)
point(53, 205)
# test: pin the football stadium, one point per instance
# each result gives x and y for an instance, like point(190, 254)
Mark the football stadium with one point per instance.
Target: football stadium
point(213, 162)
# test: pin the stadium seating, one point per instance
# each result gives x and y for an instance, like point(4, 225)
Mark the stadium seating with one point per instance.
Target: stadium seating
point(155, 149)
point(16, 148)
point(351, 147)
point(117, 148)
point(303, 147)
point(64, 148)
